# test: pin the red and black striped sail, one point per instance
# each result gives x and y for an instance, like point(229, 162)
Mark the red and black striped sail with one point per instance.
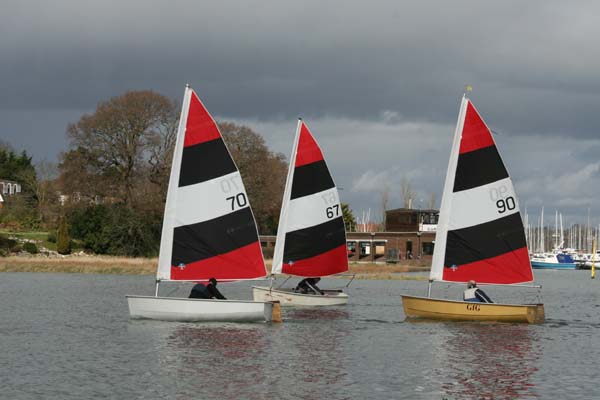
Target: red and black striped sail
point(480, 232)
point(311, 238)
point(209, 229)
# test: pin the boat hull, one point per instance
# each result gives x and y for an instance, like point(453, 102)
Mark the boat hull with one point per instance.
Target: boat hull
point(288, 298)
point(450, 310)
point(547, 265)
point(198, 310)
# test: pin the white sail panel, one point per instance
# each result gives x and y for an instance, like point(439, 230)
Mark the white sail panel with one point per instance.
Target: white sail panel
point(313, 210)
point(166, 239)
point(483, 204)
point(220, 196)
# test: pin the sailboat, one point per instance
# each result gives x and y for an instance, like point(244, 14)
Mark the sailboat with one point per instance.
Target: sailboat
point(311, 237)
point(480, 234)
point(208, 230)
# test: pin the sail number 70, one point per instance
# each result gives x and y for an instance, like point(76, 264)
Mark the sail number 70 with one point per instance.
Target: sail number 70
point(238, 200)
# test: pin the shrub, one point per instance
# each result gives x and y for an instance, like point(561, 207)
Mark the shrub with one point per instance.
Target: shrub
point(117, 230)
point(51, 237)
point(63, 243)
point(30, 248)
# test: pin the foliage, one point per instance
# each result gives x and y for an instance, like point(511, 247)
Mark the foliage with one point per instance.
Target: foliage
point(263, 173)
point(51, 237)
point(12, 166)
point(30, 247)
point(6, 245)
point(116, 230)
point(349, 219)
point(63, 242)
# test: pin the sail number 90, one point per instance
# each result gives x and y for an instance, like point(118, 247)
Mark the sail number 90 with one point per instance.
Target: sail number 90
point(506, 204)
point(238, 200)
point(333, 211)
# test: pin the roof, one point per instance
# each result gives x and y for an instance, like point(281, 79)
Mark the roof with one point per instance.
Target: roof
point(406, 210)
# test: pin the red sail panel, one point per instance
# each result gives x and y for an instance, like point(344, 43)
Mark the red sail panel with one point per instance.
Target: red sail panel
point(507, 268)
point(308, 150)
point(328, 263)
point(475, 134)
point(242, 263)
point(200, 126)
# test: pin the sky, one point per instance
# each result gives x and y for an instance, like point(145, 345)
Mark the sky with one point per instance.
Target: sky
point(378, 83)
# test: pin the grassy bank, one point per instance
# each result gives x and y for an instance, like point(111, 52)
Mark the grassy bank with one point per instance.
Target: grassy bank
point(147, 266)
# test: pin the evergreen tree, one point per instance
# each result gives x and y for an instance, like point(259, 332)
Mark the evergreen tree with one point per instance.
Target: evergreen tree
point(63, 242)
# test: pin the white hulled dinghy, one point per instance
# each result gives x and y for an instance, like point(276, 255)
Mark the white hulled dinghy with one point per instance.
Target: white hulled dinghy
point(480, 234)
point(208, 228)
point(311, 237)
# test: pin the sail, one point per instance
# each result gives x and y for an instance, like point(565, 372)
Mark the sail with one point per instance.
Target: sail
point(480, 234)
point(311, 237)
point(208, 228)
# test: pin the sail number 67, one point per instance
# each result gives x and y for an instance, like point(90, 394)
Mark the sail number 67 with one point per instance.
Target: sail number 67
point(333, 211)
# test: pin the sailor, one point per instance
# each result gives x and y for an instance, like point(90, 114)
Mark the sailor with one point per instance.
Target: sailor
point(309, 286)
point(474, 294)
point(210, 291)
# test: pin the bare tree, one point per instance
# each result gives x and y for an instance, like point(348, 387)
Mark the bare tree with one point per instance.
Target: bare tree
point(384, 202)
point(432, 201)
point(263, 172)
point(116, 136)
point(407, 192)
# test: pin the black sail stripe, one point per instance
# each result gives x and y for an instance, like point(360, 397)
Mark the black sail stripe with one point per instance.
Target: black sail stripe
point(208, 239)
point(205, 161)
point(484, 241)
point(315, 240)
point(478, 168)
point(311, 178)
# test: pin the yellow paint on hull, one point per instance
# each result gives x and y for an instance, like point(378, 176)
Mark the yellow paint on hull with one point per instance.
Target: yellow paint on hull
point(450, 310)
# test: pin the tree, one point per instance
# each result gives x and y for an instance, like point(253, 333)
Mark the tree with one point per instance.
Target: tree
point(349, 220)
point(63, 242)
point(41, 182)
point(385, 199)
point(407, 192)
point(115, 139)
point(263, 172)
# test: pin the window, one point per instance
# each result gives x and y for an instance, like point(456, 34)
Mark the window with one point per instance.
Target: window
point(427, 248)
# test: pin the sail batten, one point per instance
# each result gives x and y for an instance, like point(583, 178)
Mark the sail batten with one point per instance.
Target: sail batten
point(311, 237)
point(208, 229)
point(480, 233)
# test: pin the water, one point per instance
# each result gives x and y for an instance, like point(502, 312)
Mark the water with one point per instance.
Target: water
point(66, 336)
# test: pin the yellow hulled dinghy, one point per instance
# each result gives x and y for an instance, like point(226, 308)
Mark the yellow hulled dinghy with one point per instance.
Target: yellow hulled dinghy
point(480, 235)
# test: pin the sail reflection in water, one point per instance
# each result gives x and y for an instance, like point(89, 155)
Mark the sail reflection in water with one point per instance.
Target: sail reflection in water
point(490, 361)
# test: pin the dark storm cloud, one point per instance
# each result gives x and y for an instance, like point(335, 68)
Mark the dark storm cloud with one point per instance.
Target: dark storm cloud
point(379, 82)
point(535, 62)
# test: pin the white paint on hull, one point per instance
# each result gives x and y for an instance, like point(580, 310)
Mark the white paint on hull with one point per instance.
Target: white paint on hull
point(288, 298)
point(198, 310)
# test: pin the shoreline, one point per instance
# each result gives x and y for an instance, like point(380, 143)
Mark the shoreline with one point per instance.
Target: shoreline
point(94, 264)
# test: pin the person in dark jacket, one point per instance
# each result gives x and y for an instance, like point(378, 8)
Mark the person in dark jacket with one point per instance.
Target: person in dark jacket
point(309, 286)
point(474, 294)
point(210, 291)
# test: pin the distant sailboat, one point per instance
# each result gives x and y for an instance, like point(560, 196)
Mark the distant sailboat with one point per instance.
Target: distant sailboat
point(311, 237)
point(208, 228)
point(480, 234)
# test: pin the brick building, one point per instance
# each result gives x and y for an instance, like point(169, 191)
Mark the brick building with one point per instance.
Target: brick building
point(409, 234)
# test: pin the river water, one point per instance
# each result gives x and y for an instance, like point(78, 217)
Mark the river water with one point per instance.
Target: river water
point(69, 336)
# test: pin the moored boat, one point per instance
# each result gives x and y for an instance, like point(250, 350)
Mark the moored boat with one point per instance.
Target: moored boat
point(553, 261)
point(480, 235)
